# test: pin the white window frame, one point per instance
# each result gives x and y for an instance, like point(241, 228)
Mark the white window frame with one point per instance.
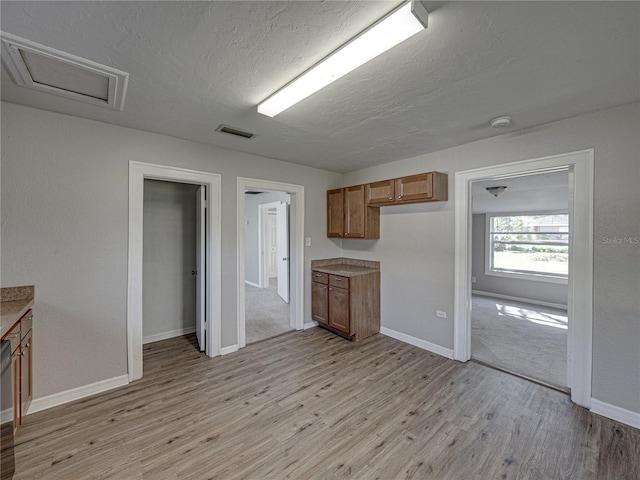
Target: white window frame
point(488, 254)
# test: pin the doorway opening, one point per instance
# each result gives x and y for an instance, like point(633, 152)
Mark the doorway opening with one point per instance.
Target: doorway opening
point(207, 213)
point(520, 274)
point(267, 238)
point(270, 259)
point(580, 262)
point(170, 253)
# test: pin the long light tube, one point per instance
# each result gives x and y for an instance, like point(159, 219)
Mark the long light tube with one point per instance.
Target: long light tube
point(402, 23)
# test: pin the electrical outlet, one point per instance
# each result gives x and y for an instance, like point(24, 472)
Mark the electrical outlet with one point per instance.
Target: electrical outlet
point(473, 279)
point(441, 314)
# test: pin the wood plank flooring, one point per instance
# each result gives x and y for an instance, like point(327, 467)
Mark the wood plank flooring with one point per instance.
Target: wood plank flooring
point(311, 405)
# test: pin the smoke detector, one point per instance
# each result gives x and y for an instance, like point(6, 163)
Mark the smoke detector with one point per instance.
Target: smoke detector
point(500, 122)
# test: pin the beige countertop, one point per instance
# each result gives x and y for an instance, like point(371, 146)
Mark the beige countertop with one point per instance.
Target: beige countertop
point(345, 267)
point(14, 303)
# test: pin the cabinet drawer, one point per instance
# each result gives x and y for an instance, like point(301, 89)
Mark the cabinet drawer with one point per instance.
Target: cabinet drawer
point(320, 277)
point(13, 336)
point(338, 281)
point(26, 322)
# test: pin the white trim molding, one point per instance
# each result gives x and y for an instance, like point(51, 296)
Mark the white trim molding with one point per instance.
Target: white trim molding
point(559, 306)
point(296, 266)
point(580, 287)
point(615, 413)
point(229, 349)
point(77, 393)
point(138, 172)
point(310, 324)
point(166, 335)
point(417, 342)
point(252, 284)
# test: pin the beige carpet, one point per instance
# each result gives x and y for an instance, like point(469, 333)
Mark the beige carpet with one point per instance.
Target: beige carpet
point(527, 339)
point(266, 314)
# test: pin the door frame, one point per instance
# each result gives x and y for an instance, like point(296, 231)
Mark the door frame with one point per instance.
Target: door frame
point(580, 287)
point(296, 234)
point(262, 279)
point(138, 172)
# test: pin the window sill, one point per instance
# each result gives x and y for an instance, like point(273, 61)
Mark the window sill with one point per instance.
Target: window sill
point(528, 276)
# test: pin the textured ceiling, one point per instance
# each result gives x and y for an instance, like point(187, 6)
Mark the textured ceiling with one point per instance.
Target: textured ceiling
point(195, 65)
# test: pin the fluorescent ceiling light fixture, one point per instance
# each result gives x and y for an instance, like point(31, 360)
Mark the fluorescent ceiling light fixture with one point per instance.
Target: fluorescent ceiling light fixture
point(402, 23)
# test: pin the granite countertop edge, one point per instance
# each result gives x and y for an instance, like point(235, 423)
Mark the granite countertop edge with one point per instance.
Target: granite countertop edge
point(12, 312)
point(15, 302)
point(345, 267)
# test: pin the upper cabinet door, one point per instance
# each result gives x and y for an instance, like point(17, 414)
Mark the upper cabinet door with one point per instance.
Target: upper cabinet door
point(380, 193)
point(414, 188)
point(354, 209)
point(335, 213)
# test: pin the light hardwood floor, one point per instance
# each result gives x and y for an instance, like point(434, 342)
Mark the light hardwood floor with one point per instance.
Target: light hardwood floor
point(311, 405)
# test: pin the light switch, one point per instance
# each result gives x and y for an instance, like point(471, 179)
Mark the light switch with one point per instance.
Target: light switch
point(307, 242)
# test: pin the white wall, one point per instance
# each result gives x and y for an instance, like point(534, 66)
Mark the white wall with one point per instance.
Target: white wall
point(416, 254)
point(64, 229)
point(514, 287)
point(251, 239)
point(169, 257)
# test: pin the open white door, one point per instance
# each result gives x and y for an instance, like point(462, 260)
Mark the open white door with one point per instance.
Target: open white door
point(200, 267)
point(282, 240)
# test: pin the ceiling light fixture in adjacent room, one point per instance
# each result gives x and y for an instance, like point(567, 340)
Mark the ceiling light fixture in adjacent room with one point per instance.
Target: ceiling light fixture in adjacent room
point(495, 191)
point(402, 23)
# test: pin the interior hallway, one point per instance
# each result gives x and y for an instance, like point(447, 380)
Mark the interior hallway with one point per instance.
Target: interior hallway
point(266, 314)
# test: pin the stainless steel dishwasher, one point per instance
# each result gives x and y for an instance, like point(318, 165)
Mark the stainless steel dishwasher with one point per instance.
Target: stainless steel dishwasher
point(7, 461)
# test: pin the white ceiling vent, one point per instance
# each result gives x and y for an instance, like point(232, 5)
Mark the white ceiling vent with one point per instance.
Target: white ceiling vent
point(43, 68)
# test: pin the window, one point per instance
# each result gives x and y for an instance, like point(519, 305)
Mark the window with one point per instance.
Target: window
point(536, 246)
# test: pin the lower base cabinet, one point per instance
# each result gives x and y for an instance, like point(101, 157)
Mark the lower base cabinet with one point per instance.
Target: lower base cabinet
point(21, 337)
point(348, 306)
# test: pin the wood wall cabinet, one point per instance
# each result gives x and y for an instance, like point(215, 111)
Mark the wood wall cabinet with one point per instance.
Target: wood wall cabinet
point(423, 187)
point(20, 336)
point(347, 305)
point(348, 216)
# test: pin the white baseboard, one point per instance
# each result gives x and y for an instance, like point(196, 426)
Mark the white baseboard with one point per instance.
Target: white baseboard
point(165, 335)
point(615, 413)
point(229, 349)
point(559, 306)
point(311, 324)
point(417, 342)
point(77, 393)
point(252, 284)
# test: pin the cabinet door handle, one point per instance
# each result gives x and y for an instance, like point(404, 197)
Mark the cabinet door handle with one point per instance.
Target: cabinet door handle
point(390, 198)
point(399, 197)
point(337, 279)
point(318, 274)
point(331, 289)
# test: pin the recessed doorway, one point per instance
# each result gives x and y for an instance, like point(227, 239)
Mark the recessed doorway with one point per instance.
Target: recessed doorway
point(287, 290)
point(580, 285)
point(520, 275)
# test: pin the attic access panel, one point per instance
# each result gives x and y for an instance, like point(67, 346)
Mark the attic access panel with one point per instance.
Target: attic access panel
point(52, 71)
